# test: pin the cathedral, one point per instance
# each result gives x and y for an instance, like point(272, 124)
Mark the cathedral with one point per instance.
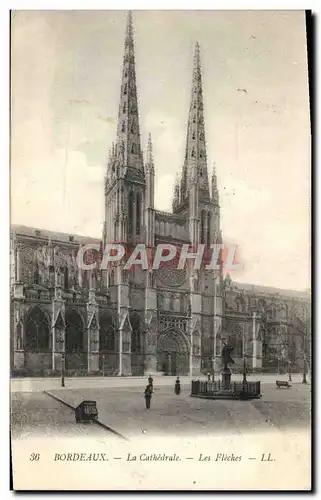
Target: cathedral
point(134, 322)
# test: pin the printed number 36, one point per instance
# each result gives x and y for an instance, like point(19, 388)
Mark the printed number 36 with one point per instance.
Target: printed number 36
point(34, 457)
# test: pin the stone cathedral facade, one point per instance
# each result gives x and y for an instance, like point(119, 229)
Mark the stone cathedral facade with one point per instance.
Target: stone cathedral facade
point(140, 321)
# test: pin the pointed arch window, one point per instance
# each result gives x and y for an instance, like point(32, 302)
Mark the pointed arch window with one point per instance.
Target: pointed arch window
point(125, 89)
point(37, 330)
point(135, 323)
point(133, 109)
point(194, 119)
point(194, 106)
point(133, 150)
point(193, 153)
point(36, 276)
point(193, 136)
point(240, 304)
point(202, 235)
point(106, 332)
point(209, 219)
point(237, 343)
point(133, 128)
point(130, 212)
point(138, 213)
point(124, 107)
point(182, 303)
point(123, 127)
point(202, 138)
point(66, 278)
point(74, 331)
point(201, 154)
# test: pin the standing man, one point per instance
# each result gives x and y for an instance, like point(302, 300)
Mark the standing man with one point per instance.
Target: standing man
point(150, 381)
point(148, 396)
point(177, 386)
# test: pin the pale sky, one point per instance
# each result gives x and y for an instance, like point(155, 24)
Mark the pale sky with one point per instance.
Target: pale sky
point(66, 73)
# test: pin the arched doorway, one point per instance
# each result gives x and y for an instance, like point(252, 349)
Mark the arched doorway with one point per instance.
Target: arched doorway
point(37, 331)
point(108, 358)
point(173, 353)
point(76, 357)
point(37, 341)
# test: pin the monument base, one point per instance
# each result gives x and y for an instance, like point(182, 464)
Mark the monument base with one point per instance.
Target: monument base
point(216, 390)
point(226, 379)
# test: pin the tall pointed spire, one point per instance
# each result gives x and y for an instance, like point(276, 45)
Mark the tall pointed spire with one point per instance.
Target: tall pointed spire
point(128, 145)
point(149, 165)
point(176, 197)
point(215, 195)
point(195, 164)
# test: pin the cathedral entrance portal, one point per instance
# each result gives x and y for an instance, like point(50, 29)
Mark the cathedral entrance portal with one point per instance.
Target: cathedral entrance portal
point(76, 357)
point(173, 353)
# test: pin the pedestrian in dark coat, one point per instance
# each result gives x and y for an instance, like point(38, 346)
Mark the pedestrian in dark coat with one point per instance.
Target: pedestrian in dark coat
point(150, 381)
point(177, 386)
point(148, 396)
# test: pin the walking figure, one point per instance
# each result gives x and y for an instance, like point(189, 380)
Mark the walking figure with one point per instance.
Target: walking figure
point(148, 396)
point(150, 381)
point(177, 386)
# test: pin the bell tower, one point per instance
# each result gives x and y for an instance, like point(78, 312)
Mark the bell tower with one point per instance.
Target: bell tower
point(125, 194)
point(125, 178)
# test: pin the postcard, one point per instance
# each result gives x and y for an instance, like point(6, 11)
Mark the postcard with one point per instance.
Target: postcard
point(160, 208)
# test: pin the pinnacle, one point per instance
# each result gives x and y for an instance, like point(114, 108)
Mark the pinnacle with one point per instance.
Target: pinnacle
point(128, 143)
point(197, 57)
point(150, 145)
point(195, 165)
point(149, 155)
point(129, 28)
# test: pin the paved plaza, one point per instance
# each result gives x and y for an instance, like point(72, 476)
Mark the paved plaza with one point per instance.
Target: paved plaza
point(278, 423)
point(37, 415)
point(121, 407)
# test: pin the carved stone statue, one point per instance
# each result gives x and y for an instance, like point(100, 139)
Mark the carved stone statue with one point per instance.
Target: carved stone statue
point(226, 355)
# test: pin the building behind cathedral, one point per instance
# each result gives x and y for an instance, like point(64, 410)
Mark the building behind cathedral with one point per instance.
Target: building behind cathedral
point(134, 322)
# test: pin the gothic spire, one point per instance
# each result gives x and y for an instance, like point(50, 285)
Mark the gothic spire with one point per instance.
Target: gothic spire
point(215, 195)
point(128, 146)
point(176, 197)
point(149, 165)
point(195, 164)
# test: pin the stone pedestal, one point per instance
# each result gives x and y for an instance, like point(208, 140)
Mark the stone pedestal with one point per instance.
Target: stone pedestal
point(226, 379)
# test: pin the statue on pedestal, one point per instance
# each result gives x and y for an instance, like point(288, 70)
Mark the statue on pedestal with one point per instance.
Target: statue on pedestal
point(226, 355)
point(227, 360)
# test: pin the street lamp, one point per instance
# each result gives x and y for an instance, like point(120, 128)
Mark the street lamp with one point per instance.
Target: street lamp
point(60, 342)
